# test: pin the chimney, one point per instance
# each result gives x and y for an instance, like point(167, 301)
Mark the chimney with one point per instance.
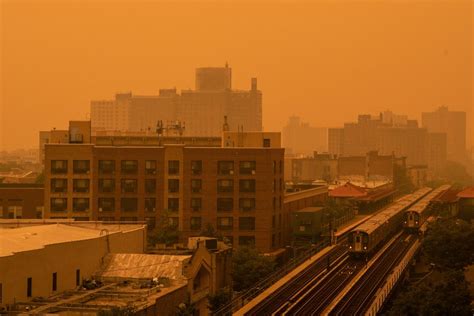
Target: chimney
point(254, 84)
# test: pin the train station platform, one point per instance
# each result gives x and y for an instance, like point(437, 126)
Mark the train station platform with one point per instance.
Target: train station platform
point(260, 298)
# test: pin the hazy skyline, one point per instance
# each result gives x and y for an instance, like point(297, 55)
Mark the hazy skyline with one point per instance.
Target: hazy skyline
point(326, 61)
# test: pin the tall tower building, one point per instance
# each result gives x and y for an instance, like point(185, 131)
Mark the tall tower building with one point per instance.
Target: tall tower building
point(453, 123)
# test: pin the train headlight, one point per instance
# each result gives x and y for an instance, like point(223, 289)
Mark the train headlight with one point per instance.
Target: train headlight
point(365, 247)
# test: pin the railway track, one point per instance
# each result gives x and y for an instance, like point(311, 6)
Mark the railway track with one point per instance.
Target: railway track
point(359, 297)
point(283, 296)
point(319, 296)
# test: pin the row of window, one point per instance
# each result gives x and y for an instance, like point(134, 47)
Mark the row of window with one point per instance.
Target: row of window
point(131, 185)
point(131, 167)
point(131, 204)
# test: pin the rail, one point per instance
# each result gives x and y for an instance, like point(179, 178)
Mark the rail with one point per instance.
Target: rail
point(245, 297)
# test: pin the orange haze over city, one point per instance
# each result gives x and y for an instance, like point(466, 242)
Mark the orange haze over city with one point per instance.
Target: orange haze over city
point(326, 61)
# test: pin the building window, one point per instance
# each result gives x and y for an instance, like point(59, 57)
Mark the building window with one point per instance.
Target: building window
point(58, 185)
point(274, 167)
point(196, 167)
point(195, 223)
point(247, 241)
point(129, 205)
point(78, 277)
point(58, 205)
point(282, 166)
point(225, 204)
point(55, 281)
point(80, 204)
point(15, 211)
point(150, 167)
point(29, 287)
point(173, 185)
point(129, 185)
point(266, 142)
point(173, 221)
point(81, 166)
point(129, 166)
point(247, 185)
point(106, 204)
point(196, 185)
point(58, 166)
point(225, 223)
point(150, 204)
point(247, 223)
point(80, 185)
point(225, 167)
point(247, 204)
point(225, 185)
point(150, 185)
point(173, 167)
point(196, 204)
point(39, 212)
point(106, 185)
point(247, 167)
point(150, 223)
point(273, 241)
point(106, 166)
point(173, 204)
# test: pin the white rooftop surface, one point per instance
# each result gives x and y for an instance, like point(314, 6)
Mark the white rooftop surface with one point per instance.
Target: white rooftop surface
point(15, 240)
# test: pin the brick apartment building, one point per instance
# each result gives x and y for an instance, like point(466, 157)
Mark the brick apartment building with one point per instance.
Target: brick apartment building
point(237, 190)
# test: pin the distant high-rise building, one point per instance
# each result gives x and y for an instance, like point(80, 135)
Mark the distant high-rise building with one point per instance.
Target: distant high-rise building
point(389, 134)
point(300, 138)
point(336, 141)
point(202, 110)
point(453, 123)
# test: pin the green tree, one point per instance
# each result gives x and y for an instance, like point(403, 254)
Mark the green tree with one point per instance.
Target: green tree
point(220, 299)
point(249, 267)
point(443, 293)
point(165, 232)
point(456, 173)
point(450, 244)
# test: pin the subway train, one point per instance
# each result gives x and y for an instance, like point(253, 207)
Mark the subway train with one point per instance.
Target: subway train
point(416, 215)
point(366, 237)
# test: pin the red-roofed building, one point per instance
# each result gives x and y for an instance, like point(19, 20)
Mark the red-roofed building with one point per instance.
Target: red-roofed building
point(447, 203)
point(348, 190)
point(366, 199)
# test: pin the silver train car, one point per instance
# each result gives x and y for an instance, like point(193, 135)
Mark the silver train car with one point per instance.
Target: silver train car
point(366, 237)
point(417, 214)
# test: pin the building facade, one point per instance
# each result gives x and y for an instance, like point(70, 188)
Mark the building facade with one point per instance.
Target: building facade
point(451, 123)
point(390, 134)
point(238, 191)
point(299, 138)
point(201, 111)
point(21, 200)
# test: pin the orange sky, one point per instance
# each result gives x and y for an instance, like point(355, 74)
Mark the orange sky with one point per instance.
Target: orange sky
point(323, 60)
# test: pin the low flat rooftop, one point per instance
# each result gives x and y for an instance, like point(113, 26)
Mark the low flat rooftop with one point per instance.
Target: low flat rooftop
point(27, 238)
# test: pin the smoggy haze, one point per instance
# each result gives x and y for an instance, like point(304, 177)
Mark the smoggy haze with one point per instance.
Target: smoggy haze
point(326, 61)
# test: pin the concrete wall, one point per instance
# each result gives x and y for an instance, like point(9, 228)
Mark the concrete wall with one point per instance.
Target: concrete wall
point(64, 259)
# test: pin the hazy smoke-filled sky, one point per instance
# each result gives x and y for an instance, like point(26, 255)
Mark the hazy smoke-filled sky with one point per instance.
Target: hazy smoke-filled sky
point(326, 61)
